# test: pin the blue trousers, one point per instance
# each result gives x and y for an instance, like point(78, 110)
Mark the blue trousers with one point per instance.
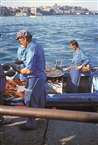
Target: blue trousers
point(35, 96)
point(73, 80)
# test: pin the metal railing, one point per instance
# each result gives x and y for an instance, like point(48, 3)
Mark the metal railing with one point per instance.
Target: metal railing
point(67, 115)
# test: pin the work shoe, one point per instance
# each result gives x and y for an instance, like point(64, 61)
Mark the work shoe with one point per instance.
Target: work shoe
point(6, 121)
point(24, 127)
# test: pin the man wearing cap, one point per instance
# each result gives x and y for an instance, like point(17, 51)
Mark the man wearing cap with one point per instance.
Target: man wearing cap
point(34, 65)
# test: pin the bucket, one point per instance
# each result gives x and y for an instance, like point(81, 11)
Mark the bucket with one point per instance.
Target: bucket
point(86, 68)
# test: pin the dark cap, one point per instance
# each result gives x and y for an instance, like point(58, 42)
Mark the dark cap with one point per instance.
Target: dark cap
point(22, 33)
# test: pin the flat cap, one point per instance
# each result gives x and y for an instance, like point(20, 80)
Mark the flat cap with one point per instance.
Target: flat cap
point(22, 33)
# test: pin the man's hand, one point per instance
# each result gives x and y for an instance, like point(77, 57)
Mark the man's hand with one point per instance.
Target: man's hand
point(78, 67)
point(68, 68)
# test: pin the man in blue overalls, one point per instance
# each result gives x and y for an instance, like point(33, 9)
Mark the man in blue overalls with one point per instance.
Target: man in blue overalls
point(79, 60)
point(34, 67)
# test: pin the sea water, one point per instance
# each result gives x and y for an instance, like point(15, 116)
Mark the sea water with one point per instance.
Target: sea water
point(54, 34)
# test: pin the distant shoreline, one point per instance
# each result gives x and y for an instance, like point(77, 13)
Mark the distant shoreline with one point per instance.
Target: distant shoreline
point(45, 11)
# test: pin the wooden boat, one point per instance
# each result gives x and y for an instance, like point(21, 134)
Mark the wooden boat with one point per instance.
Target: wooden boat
point(85, 100)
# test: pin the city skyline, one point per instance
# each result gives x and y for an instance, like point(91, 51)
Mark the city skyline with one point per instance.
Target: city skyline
point(89, 4)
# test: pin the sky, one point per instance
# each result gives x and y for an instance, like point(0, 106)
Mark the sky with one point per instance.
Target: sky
point(89, 4)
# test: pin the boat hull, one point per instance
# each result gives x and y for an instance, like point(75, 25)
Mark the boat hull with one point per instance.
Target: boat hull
point(78, 102)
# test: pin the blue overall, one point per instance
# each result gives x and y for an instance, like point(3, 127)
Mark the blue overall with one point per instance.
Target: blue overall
point(2, 87)
point(79, 58)
point(2, 80)
point(20, 53)
point(73, 80)
point(35, 95)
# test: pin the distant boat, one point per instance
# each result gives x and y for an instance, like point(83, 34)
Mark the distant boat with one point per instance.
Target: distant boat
point(33, 16)
point(78, 13)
